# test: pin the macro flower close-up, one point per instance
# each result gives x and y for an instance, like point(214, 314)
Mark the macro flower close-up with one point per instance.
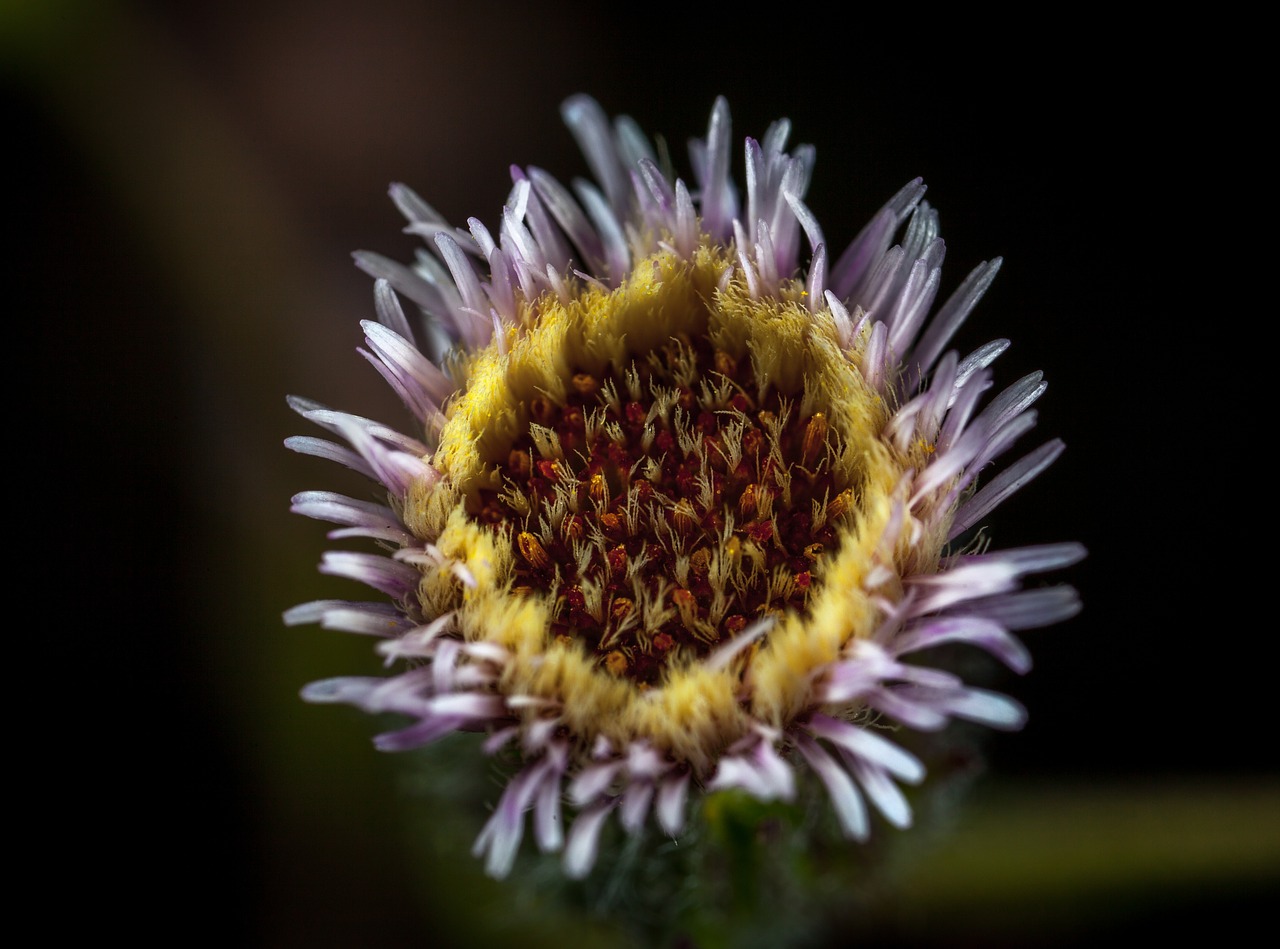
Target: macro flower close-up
point(687, 502)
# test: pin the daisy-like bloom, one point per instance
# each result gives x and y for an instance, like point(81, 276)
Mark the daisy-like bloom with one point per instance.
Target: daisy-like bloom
point(690, 498)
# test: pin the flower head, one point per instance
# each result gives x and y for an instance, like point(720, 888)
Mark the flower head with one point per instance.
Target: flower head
point(690, 498)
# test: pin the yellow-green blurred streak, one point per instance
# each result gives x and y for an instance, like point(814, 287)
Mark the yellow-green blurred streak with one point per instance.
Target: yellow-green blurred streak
point(1075, 854)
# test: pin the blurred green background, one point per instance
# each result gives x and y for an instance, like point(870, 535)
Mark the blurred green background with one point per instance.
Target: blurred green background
point(190, 180)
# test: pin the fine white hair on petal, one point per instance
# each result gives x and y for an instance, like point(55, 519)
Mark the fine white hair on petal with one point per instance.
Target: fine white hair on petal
point(766, 259)
point(978, 705)
point(907, 708)
point(869, 746)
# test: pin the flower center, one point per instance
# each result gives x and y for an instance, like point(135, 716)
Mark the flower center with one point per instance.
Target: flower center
point(634, 477)
point(667, 506)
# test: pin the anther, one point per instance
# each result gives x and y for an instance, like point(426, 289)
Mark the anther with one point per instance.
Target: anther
point(687, 604)
point(618, 560)
point(815, 438)
point(542, 409)
point(519, 464)
point(532, 550)
point(573, 527)
point(840, 503)
point(733, 549)
point(598, 487)
point(701, 561)
point(616, 663)
point(621, 609)
point(683, 517)
point(725, 364)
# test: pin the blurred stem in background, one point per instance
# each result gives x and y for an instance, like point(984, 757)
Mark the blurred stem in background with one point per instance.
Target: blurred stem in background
point(192, 198)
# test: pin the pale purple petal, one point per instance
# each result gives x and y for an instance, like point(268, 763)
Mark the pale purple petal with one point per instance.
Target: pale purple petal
point(996, 491)
point(370, 619)
point(584, 840)
point(869, 745)
point(672, 793)
point(846, 800)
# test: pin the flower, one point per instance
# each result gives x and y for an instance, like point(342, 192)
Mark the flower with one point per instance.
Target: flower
point(682, 512)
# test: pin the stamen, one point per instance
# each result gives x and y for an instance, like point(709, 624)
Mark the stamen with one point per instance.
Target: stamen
point(683, 478)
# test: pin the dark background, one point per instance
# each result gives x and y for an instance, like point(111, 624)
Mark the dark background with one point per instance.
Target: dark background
point(189, 182)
